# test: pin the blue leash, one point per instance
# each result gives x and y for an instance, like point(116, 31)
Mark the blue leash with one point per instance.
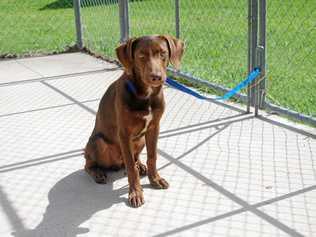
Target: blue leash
point(252, 76)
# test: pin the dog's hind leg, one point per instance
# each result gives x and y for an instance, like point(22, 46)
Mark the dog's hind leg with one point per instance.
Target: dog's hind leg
point(92, 153)
point(101, 157)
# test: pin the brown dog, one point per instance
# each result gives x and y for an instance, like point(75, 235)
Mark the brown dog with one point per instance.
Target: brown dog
point(129, 114)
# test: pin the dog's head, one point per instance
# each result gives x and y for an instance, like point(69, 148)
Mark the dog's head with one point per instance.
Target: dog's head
point(149, 57)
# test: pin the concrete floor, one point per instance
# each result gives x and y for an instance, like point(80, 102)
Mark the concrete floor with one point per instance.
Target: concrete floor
point(230, 174)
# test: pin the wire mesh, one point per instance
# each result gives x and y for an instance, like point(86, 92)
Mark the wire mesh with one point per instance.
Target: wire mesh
point(151, 17)
point(101, 29)
point(36, 27)
point(216, 36)
point(291, 58)
point(215, 33)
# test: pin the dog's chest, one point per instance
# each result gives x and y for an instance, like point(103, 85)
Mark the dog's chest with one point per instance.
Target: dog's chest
point(146, 120)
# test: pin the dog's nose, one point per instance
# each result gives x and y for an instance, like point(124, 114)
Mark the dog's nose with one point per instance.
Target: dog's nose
point(155, 77)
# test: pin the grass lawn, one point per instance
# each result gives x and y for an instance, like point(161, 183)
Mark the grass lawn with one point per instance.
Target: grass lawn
point(215, 33)
point(27, 28)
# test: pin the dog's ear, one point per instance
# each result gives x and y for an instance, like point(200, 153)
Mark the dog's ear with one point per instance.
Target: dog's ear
point(124, 54)
point(176, 48)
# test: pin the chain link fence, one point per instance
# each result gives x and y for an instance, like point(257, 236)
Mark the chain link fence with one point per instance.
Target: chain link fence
point(216, 47)
point(291, 58)
point(221, 39)
point(101, 26)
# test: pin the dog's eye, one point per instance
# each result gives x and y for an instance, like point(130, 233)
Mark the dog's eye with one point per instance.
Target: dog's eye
point(141, 56)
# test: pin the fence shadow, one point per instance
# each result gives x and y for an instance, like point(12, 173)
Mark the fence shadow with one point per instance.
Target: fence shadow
point(72, 201)
point(274, 121)
point(63, 4)
point(58, 4)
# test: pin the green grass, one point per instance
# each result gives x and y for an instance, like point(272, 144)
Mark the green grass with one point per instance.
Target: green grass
point(26, 29)
point(215, 33)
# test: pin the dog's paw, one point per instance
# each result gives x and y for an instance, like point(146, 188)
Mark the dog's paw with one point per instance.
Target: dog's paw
point(159, 183)
point(142, 169)
point(136, 198)
point(98, 175)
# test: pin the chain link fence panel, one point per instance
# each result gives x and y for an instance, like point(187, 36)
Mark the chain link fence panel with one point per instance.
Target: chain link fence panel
point(101, 26)
point(216, 37)
point(291, 57)
point(215, 33)
point(149, 17)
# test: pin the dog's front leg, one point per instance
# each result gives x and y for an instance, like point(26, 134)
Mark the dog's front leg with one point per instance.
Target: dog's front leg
point(151, 144)
point(135, 196)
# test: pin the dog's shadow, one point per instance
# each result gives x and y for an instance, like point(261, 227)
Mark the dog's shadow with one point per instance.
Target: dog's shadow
point(72, 201)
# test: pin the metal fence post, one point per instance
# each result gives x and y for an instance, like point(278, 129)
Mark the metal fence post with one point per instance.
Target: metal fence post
point(260, 52)
point(252, 45)
point(124, 20)
point(77, 11)
point(249, 50)
point(262, 44)
point(177, 15)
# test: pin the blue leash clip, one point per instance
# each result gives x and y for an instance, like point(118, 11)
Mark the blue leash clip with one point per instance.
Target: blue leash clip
point(252, 76)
